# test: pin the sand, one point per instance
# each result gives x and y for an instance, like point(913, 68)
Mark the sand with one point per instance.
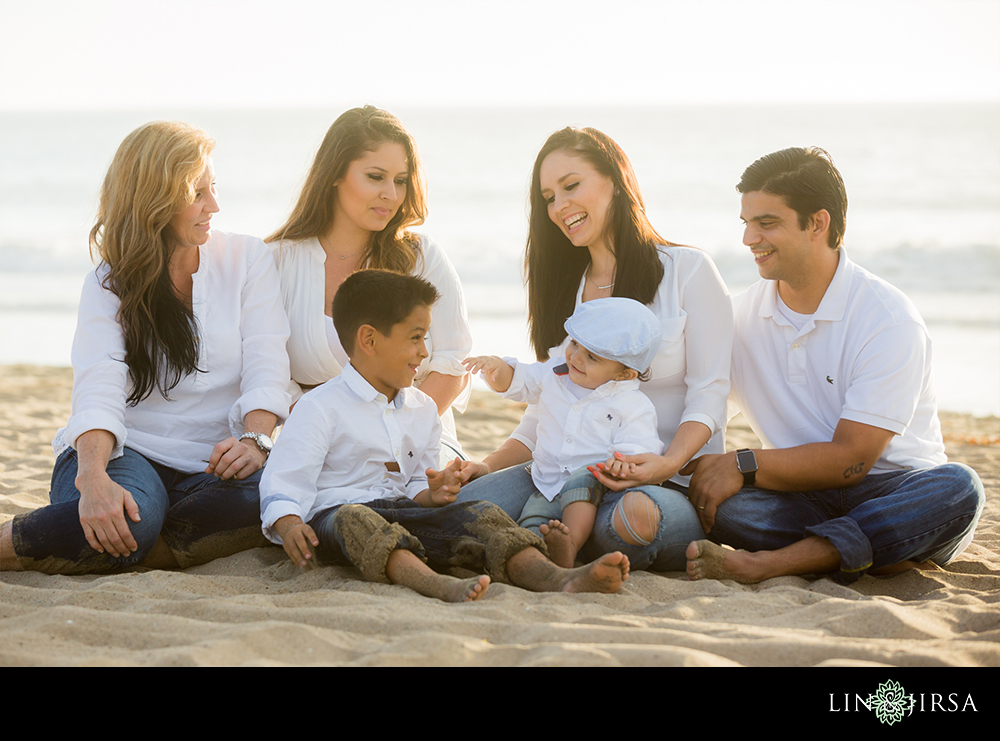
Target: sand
point(255, 608)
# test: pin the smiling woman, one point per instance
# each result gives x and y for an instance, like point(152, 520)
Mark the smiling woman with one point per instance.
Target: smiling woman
point(364, 191)
point(589, 238)
point(178, 362)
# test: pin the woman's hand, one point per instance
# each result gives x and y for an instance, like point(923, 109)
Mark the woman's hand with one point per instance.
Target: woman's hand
point(633, 471)
point(103, 506)
point(235, 459)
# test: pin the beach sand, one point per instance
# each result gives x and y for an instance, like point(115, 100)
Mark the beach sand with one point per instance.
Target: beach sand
point(255, 608)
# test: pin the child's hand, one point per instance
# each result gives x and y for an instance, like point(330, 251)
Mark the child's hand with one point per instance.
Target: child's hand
point(494, 371)
point(443, 486)
point(617, 468)
point(297, 538)
point(470, 470)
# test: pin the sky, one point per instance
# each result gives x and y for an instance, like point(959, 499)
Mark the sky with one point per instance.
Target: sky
point(114, 54)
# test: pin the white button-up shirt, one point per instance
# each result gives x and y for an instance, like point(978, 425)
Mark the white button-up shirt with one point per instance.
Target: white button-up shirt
point(243, 366)
point(336, 444)
point(574, 432)
point(690, 374)
point(864, 356)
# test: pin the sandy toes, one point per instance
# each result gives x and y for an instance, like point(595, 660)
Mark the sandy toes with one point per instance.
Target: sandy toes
point(606, 574)
point(468, 590)
point(706, 560)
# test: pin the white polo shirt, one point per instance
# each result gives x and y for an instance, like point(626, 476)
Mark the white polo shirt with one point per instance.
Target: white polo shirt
point(336, 444)
point(864, 356)
point(578, 427)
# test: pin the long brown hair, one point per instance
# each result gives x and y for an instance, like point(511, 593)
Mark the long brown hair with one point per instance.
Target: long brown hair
point(152, 177)
point(554, 266)
point(355, 132)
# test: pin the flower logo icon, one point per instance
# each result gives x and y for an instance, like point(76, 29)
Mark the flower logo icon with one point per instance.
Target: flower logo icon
point(890, 702)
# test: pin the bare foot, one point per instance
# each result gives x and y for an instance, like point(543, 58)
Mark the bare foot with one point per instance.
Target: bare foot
point(8, 559)
point(606, 575)
point(468, 590)
point(706, 560)
point(562, 551)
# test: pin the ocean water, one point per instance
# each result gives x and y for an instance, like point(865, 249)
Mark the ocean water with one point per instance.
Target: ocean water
point(923, 184)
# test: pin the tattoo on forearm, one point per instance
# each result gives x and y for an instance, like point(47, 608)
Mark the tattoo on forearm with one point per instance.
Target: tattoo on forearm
point(854, 470)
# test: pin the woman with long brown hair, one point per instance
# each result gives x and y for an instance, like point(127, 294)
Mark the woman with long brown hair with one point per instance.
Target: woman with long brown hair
point(589, 237)
point(180, 375)
point(363, 193)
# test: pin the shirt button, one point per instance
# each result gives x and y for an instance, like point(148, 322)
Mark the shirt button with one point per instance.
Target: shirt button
point(795, 346)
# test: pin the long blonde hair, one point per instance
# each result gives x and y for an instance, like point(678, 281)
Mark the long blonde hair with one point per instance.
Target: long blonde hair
point(152, 178)
point(355, 132)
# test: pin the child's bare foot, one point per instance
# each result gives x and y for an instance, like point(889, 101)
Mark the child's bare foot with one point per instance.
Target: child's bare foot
point(606, 575)
point(468, 590)
point(562, 551)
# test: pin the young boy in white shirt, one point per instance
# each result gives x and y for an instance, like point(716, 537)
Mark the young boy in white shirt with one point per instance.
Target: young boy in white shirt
point(590, 409)
point(351, 477)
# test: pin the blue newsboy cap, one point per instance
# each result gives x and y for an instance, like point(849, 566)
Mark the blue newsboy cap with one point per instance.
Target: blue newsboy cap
point(619, 329)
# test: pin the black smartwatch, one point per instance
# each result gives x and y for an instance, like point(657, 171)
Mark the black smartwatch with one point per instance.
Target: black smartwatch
point(746, 462)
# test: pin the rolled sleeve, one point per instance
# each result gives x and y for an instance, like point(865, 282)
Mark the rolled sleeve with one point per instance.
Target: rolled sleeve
point(100, 376)
point(265, 376)
point(708, 338)
point(451, 337)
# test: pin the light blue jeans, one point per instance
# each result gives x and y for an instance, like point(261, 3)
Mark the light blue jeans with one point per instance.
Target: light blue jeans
point(511, 488)
point(888, 518)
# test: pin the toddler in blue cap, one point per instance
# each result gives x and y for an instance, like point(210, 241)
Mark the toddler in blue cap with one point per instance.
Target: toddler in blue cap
point(589, 408)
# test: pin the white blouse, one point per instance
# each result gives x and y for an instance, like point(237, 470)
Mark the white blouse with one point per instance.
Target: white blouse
point(690, 374)
point(313, 361)
point(241, 331)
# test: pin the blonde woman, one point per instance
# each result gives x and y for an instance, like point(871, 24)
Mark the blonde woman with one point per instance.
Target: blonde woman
point(180, 375)
point(363, 192)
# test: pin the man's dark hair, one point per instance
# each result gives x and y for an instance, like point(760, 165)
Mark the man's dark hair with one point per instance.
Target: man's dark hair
point(808, 181)
point(380, 298)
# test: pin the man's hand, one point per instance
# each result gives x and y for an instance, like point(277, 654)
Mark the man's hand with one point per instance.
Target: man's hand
point(297, 538)
point(714, 478)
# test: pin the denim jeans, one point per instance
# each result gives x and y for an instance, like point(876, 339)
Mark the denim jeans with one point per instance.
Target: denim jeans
point(200, 518)
point(918, 515)
point(477, 536)
point(511, 488)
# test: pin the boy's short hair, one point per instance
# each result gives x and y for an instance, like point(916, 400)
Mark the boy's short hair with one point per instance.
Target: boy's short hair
point(380, 298)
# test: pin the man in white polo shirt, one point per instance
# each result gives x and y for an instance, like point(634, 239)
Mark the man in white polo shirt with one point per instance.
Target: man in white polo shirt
point(831, 368)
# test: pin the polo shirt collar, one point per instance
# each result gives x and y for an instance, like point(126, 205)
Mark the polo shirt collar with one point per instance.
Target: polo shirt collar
point(834, 304)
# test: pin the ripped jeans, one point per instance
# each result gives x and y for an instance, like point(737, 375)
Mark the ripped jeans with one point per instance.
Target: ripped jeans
point(511, 488)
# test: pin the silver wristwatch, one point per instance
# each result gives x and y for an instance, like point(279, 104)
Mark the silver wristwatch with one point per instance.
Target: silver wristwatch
point(261, 440)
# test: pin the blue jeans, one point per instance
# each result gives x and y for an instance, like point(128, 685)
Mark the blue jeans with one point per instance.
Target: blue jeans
point(511, 488)
point(916, 515)
point(477, 536)
point(200, 518)
point(580, 487)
